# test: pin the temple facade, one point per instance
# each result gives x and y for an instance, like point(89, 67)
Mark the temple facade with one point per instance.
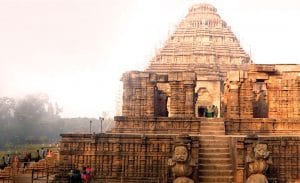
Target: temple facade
point(202, 111)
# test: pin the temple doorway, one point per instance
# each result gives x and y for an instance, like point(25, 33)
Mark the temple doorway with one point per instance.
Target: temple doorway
point(260, 103)
point(204, 99)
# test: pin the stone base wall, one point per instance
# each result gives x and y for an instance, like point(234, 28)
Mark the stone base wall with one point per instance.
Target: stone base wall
point(160, 125)
point(284, 152)
point(290, 126)
point(121, 157)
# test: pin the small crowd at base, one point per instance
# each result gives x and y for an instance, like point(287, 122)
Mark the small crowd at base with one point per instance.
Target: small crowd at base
point(26, 157)
point(75, 176)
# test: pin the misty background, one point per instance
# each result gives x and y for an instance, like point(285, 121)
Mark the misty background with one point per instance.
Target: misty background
point(61, 61)
point(33, 119)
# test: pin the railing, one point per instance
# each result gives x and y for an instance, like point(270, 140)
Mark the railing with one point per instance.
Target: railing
point(32, 174)
point(41, 173)
point(6, 179)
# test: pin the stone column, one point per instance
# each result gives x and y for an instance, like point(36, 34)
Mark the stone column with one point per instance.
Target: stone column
point(233, 110)
point(189, 98)
point(150, 99)
point(246, 99)
point(138, 94)
point(127, 92)
point(175, 97)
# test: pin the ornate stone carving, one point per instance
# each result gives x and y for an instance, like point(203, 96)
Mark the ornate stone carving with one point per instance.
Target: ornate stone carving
point(258, 163)
point(182, 164)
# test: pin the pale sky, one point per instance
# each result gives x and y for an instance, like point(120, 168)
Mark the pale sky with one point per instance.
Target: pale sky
point(77, 50)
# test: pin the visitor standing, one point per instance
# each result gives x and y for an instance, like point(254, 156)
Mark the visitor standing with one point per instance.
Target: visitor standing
point(215, 111)
point(209, 113)
point(2, 163)
point(7, 160)
point(42, 153)
point(76, 177)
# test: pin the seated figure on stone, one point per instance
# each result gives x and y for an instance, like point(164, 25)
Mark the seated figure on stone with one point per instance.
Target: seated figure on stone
point(258, 164)
point(181, 163)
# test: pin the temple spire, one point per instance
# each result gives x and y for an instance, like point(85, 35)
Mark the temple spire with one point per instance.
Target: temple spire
point(201, 40)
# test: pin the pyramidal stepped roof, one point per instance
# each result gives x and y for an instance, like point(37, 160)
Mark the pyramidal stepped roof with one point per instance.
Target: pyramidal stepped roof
point(201, 40)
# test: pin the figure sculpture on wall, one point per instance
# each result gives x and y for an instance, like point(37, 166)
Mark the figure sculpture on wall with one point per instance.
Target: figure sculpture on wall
point(181, 163)
point(258, 163)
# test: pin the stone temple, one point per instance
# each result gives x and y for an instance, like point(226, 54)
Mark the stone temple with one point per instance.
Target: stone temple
point(202, 111)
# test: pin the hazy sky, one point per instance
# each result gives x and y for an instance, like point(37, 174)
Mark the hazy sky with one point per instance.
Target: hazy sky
point(76, 50)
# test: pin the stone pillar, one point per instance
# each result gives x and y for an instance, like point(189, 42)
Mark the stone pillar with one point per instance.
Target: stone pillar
point(189, 98)
point(246, 99)
point(138, 94)
point(176, 97)
point(182, 86)
point(150, 99)
point(233, 110)
point(127, 92)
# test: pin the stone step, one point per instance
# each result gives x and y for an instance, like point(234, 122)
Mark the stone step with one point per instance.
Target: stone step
point(215, 166)
point(215, 172)
point(213, 120)
point(209, 132)
point(209, 123)
point(210, 160)
point(213, 145)
point(216, 179)
point(213, 138)
point(212, 128)
point(213, 141)
point(214, 155)
point(218, 182)
point(214, 150)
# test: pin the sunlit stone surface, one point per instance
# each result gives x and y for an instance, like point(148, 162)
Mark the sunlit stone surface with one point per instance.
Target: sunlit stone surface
point(201, 64)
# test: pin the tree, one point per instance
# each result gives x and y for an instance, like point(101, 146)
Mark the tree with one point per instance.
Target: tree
point(34, 115)
point(7, 108)
point(7, 111)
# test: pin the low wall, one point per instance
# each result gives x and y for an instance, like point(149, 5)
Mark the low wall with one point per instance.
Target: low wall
point(120, 157)
point(246, 126)
point(160, 125)
point(284, 152)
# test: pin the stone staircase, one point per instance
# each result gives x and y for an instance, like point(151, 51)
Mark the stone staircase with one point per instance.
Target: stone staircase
point(215, 163)
point(212, 126)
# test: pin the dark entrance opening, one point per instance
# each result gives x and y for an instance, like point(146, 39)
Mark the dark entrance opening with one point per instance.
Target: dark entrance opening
point(161, 104)
point(260, 102)
point(201, 111)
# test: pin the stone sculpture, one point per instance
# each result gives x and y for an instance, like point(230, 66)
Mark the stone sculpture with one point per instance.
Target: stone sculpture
point(258, 163)
point(182, 164)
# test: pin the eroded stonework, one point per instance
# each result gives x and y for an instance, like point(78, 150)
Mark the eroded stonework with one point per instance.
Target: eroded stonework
point(182, 163)
point(203, 84)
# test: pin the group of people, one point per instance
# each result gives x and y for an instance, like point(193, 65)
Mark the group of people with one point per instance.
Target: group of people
point(25, 157)
point(210, 111)
point(42, 153)
point(77, 177)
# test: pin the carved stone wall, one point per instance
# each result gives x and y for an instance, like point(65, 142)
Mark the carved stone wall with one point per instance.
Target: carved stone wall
point(182, 86)
point(284, 153)
point(163, 125)
point(138, 93)
point(284, 92)
point(143, 96)
point(268, 126)
point(263, 92)
point(117, 158)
